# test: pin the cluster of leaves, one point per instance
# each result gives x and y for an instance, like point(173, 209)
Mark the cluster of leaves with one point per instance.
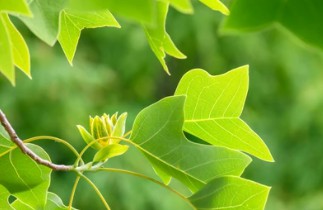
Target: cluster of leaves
point(205, 106)
point(64, 20)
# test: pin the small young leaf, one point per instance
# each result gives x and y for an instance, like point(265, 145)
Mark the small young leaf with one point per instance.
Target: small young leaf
point(216, 5)
point(87, 137)
point(112, 150)
point(213, 108)
point(15, 7)
point(231, 193)
point(44, 23)
point(120, 126)
point(158, 39)
point(157, 132)
point(72, 23)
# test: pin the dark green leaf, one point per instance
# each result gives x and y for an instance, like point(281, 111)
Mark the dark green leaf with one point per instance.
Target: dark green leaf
point(251, 15)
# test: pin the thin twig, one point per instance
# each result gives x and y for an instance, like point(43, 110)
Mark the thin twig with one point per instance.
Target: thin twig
point(20, 144)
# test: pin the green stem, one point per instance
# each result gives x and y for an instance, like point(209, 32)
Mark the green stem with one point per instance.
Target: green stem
point(97, 191)
point(73, 192)
point(116, 170)
point(52, 138)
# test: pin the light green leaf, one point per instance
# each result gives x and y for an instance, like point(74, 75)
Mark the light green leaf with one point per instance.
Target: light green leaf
point(25, 179)
point(71, 24)
point(216, 5)
point(110, 151)
point(44, 23)
point(53, 203)
point(213, 108)
point(87, 137)
point(252, 15)
point(231, 193)
point(15, 7)
point(158, 39)
point(19, 47)
point(120, 126)
point(137, 10)
point(4, 195)
point(184, 6)
point(6, 58)
point(157, 132)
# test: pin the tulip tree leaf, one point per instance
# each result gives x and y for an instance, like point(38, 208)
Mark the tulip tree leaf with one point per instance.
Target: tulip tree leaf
point(138, 10)
point(159, 40)
point(184, 6)
point(13, 50)
point(213, 107)
point(53, 203)
point(216, 5)
point(157, 132)
point(252, 15)
point(72, 23)
point(44, 23)
point(15, 7)
point(22, 177)
point(231, 193)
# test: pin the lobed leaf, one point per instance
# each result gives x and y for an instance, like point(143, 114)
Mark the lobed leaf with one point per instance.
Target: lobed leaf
point(213, 107)
point(252, 15)
point(157, 132)
point(44, 23)
point(15, 7)
point(159, 40)
point(216, 5)
point(231, 193)
point(71, 24)
point(141, 11)
point(23, 178)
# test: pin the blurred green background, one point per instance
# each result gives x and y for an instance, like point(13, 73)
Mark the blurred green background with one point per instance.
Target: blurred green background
point(115, 70)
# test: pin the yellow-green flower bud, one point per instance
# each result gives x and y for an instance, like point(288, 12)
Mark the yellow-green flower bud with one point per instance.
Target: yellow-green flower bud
point(103, 129)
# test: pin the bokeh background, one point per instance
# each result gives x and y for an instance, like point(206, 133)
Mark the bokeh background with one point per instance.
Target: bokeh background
point(115, 70)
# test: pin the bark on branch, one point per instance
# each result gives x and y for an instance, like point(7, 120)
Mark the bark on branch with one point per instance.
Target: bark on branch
point(20, 144)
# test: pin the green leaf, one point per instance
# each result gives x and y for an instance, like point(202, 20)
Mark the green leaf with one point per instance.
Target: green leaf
point(157, 132)
point(6, 58)
point(87, 137)
point(216, 5)
point(231, 193)
point(71, 24)
point(25, 179)
point(44, 23)
point(15, 7)
point(109, 151)
point(213, 108)
point(252, 15)
point(120, 126)
point(137, 10)
point(19, 47)
point(184, 6)
point(53, 203)
point(158, 39)
point(4, 195)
